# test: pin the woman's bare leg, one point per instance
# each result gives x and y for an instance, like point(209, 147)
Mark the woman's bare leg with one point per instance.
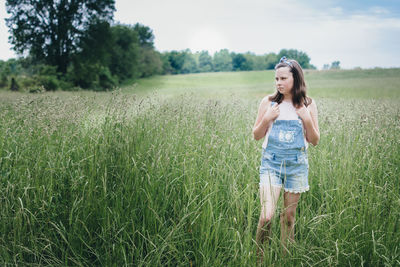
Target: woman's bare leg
point(268, 196)
point(288, 216)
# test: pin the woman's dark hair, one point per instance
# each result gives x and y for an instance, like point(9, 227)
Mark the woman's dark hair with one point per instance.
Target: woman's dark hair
point(299, 90)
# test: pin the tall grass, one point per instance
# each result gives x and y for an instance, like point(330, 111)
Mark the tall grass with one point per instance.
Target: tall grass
point(121, 180)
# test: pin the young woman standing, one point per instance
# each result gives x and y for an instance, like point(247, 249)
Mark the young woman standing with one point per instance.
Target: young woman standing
point(288, 120)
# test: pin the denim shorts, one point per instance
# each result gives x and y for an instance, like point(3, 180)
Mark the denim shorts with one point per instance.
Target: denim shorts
point(285, 168)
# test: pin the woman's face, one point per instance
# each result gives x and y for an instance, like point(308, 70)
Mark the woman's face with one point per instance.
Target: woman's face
point(284, 81)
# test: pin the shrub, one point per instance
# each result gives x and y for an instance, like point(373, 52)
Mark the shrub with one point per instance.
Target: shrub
point(106, 80)
point(3, 80)
point(50, 83)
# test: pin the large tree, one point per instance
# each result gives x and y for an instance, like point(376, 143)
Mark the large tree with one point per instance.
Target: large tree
point(205, 62)
point(299, 56)
point(222, 60)
point(50, 30)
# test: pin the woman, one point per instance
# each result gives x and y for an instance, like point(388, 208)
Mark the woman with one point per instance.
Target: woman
point(288, 120)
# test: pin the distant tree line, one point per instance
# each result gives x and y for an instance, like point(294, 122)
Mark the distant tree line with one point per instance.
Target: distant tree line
point(181, 62)
point(76, 44)
point(334, 66)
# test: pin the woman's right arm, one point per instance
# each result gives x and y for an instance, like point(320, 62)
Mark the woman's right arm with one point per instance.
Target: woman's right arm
point(264, 118)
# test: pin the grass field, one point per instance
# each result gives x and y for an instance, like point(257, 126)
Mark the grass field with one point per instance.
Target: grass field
point(165, 173)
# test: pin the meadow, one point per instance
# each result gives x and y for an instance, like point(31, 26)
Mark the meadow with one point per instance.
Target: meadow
point(164, 172)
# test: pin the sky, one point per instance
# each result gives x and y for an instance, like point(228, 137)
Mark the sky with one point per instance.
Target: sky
point(360, 33)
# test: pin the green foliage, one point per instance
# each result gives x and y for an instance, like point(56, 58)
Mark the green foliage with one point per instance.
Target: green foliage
point(335, 65)
point(145, 34)
point(12, 66)
point(166, 64)
point(301, 57)
point(47, 70)
point(28, 82)
point(50, 30)
point(125, 52)
point(105, 79)
point(92, 76)
point(271, 60)
point(190, 64)
point(205, 62)
point(49, 83)
point(179, 62)
point(107, 56)
point(176, 60)
point(255, 62)
point(222, 60)
point(239, 62)
point(84, 75)
point(89, 66)
point(95, 44)
point(3, 80)
point(149, 62)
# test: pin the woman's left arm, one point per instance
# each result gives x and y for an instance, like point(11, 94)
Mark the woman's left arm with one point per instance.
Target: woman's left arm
point(309, 117)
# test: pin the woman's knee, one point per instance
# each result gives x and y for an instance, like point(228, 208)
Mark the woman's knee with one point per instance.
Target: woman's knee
point(288, 217)
point(265, 219)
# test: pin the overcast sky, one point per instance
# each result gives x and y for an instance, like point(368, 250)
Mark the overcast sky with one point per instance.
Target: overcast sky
point(362, 33)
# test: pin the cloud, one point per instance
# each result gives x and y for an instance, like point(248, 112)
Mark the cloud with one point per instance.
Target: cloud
point(378, 10)
point(5, 47)
point(353, 32)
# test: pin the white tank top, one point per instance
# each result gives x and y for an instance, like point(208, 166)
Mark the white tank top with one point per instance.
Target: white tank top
point(286, 112)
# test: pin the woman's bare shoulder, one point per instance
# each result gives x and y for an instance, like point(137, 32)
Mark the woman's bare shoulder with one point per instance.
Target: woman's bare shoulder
point(265, 102)
point(313, 106)
point(313, 103)
point(266, 99)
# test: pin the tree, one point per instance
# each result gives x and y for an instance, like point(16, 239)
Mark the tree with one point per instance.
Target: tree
point(50, 30)
point(166, 64)
point(146, 37)
point(205, 62)
point(93, 58)
point(239, 62)
point(301, 57)
point(149, 60)
point(222, 60)
point(189, 64)
point(176, 60)
point(271, 60)
point(256, 62)
point(124, 52)
point(14, 85)
point(335, 65)
point(3, 74)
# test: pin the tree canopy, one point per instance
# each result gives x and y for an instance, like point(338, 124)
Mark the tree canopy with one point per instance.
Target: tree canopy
point(50, 30)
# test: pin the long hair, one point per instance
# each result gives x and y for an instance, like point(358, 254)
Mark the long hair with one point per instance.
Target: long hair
point(299, 90)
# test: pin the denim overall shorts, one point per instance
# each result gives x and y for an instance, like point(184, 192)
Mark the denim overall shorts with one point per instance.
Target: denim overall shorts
point(284, 161)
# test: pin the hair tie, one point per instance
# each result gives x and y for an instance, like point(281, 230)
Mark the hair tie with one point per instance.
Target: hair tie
point(284, 60)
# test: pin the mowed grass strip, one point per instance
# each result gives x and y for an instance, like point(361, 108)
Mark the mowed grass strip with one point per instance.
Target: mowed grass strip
point(172, 179)
point(364, 84)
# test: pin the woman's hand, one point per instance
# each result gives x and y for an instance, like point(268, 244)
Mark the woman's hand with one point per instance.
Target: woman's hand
point(272, 113)
point(303, 113)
